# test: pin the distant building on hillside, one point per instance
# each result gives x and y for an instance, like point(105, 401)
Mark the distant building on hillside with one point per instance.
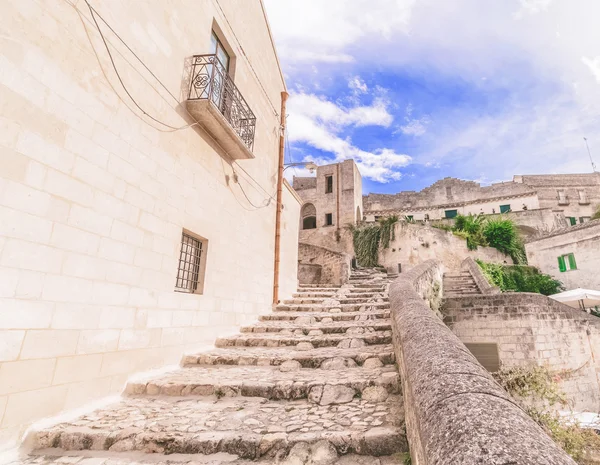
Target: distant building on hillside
point(571, 255)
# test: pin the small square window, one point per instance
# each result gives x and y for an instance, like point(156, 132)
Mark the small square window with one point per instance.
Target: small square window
point(328, 219)
point(192, 263)
point(504, 208)
point(567, 263)
point(451, 213)
point(328, 184)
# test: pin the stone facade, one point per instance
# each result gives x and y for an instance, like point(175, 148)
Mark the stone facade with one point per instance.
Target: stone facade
point(320, 265)
point(94, 196)
point(332, 200)
point(414, 244)
point(570, 196)
point(583, 241)
point(531, 329)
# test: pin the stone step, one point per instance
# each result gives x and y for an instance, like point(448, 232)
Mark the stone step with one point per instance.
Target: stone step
point(250, 428)
point(344, 292)
point(319, 287)
point(299, 454)
point(265, 356)
point(342, 299)
point(332, 309)
point(305, 342)
point(287, 382)
point(304, 325)
point(320, 316)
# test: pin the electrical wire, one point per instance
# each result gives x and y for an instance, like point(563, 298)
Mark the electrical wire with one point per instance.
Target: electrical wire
point(94, 13)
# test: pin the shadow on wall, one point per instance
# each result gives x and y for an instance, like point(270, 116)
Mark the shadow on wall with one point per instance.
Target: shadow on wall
point(318, 265)
point(415, 244)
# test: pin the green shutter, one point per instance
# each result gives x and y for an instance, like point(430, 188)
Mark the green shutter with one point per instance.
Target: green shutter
point(572, 263)
point(504, 208)
point(561, 264)
point(451, 213)
point(573, 220)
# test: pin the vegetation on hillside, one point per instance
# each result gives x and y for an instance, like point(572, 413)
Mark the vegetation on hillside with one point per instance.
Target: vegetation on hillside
point(500, 233)
point(539, 386)
point(596, 215)
point(368, 239)
point(520, 278)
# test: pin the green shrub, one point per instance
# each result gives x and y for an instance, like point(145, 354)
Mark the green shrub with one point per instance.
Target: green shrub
point(596, 215)
point(502, 234)
point(520, 278)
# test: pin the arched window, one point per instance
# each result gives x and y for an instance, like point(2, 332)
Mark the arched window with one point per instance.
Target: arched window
point(359, 217)
point(309, 216)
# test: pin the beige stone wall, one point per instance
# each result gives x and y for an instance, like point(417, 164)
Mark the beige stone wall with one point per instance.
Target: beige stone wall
point(583, 241)
point(94, 197)
point(576, 205)
point(288, 282)
point(415, 244)
point(531, 329)
point(334, 266)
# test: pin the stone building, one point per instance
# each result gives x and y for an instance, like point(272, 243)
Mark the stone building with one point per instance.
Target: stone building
point(332, 201)
point(570, 255)
point(558, 200)
point(137, 217)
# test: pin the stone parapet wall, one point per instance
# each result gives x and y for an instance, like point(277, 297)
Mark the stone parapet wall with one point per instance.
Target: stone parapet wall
point(335, 266)
point(532, 329)
point(456, 414)
point(483, 284)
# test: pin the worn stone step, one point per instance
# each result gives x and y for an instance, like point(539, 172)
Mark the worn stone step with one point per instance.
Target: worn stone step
point(299, 453)
point(304, 325)
point(332, 309)
point(319, 287)
point(324, 295)
point(305, 342)
point(247, 427)
point(287, 382)
point(319, 316)
point(264, 356)
point(342, 299)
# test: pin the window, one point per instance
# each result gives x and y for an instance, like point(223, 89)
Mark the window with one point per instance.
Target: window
point(562, 198)
point(572, 220)
point(426, 216)
point(504, 208)
point(567, 263)
point(217, 48)
point(328, 184)
point(328, 219)
point(449, 191)
point(451, 213)
point(583, 197)
point(584, 219)
point(309, 216)
point(192, 263)
point(410, 218)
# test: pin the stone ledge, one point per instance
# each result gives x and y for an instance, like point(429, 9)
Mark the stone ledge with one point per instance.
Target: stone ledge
point(456, 414)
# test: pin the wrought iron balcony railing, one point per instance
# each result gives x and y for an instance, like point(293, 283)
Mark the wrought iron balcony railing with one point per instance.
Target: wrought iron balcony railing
point(209, 80)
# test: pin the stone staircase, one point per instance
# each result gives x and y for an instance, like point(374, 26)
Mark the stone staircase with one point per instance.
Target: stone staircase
point(459, 284)
point(313, 382)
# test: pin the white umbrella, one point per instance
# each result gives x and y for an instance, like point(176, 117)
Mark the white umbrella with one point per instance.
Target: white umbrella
point(578, 298)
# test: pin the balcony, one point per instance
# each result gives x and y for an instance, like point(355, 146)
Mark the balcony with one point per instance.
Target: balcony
point(217, 104)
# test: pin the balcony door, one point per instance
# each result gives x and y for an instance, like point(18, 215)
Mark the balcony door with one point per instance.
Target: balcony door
point(220, 73)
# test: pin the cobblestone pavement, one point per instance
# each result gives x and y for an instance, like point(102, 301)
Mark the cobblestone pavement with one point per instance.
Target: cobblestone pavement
point(312, 383)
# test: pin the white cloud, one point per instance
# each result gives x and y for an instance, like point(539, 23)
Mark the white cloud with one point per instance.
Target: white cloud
point(593, 65)
point(319, 122)
point(357, 85)
point(413, 126)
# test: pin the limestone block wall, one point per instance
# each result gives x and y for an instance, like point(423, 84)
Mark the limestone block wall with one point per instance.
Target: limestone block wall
point(455, 412)
point(94, 196)
point(335, 266)
point(547, 187)
point(415, 244)
point(583, 241)
point(531, 329)
point(288, 282)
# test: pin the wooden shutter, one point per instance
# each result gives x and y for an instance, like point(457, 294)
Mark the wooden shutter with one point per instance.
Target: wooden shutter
point(573, 220)
point(562, 266)
point(572, 263)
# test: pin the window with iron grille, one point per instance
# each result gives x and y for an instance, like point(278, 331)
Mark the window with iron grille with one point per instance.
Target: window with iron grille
point(192, 258)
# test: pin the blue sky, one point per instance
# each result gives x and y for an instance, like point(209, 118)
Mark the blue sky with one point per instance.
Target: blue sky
point(417, 90)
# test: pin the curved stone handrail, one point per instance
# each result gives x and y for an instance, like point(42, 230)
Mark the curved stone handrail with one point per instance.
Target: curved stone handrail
point(456, 414)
